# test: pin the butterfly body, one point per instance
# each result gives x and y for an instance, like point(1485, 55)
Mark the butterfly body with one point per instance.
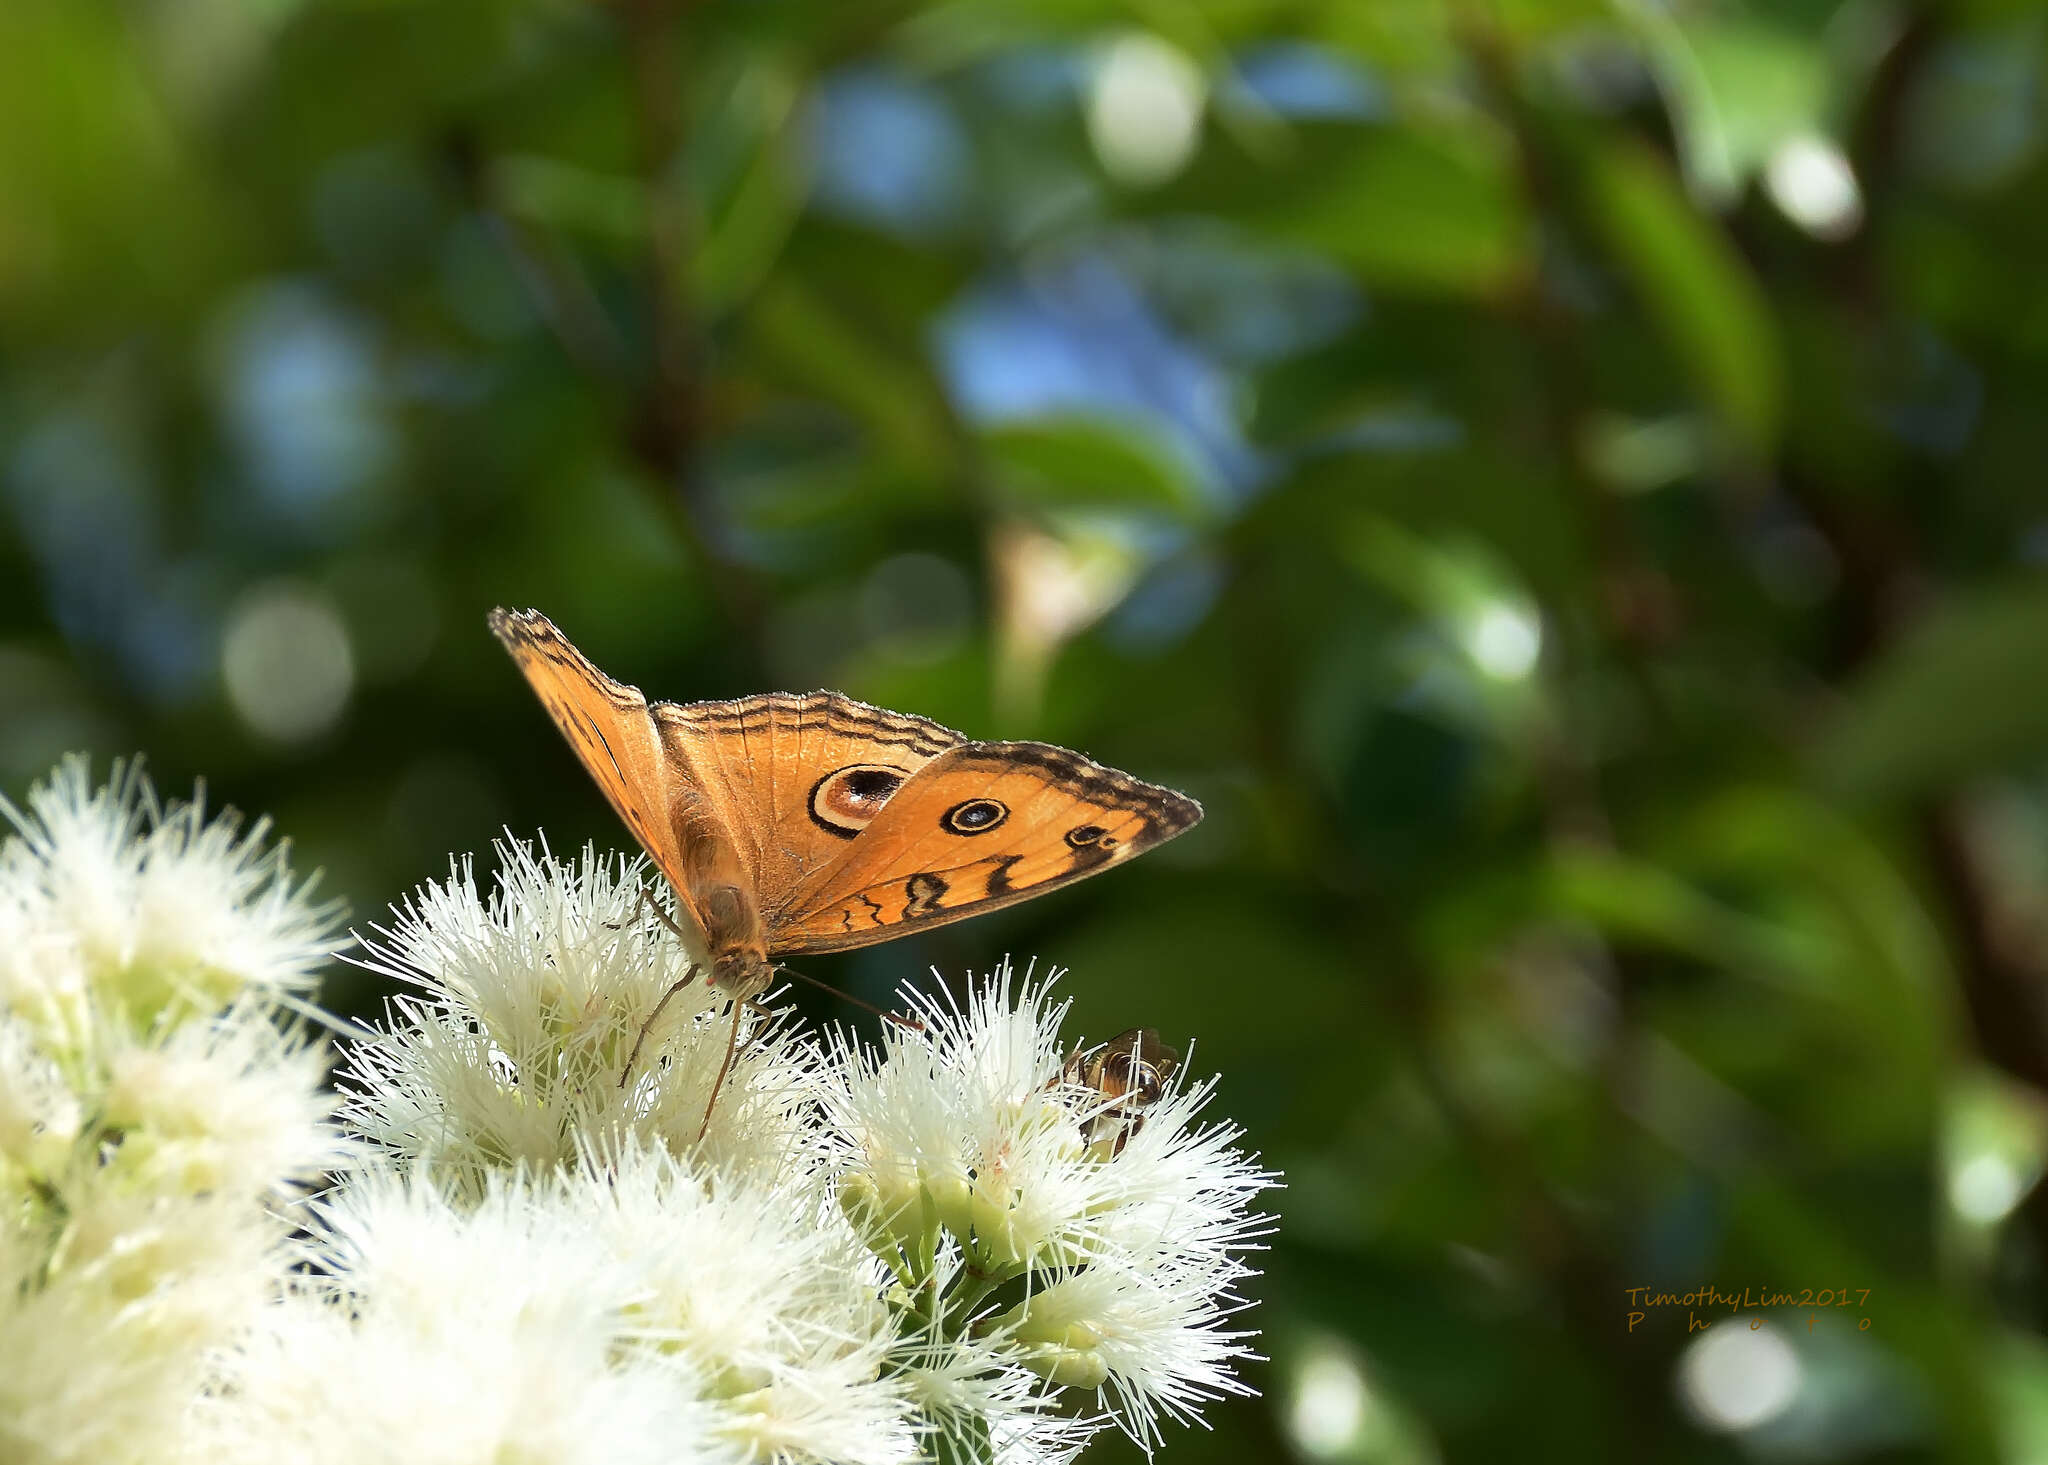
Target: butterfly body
point(796, 823)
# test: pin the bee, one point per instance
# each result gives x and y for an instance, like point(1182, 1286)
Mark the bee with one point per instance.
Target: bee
point(1128, 1075)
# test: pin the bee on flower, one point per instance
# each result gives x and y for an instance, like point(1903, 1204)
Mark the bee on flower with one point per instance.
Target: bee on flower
point(1062, 1213)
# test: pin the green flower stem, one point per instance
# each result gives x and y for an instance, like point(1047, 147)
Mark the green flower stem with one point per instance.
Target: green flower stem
point(966, 1443)
point(966, 1295)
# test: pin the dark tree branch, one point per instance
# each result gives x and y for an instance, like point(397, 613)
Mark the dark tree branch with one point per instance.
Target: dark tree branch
point(559, 290)
point(667, 432)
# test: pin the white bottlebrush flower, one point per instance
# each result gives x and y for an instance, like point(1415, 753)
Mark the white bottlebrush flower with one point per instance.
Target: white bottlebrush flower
point(171, 1191)
point(115, 907)
point(1146, 1336)
point(948, 1248)
point(118, 1296)
point(234, 1104)
point(529, 1003)
point(39, 1114)
point(761, 1288)
point(972, 1388)
point(438, 1334)
point(961, 1117)
point(153, 1113)
point(965, 1134)
point(629, 1308)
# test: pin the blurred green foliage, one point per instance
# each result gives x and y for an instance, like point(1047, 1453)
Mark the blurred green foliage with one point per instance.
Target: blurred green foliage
point(1561, 482)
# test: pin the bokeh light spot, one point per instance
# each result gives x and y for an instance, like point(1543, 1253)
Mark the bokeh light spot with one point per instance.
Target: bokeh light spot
point(286, 660)
point(1811, 181)
point(1145, 109)
point(1330, 1405)
point(1985, 1188)
point(1739, 1374)
point(1505, 642)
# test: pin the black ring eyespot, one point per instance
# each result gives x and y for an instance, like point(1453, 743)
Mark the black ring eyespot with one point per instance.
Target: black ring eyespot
point(1083, 835)
point(844, 800)
point(976, 816)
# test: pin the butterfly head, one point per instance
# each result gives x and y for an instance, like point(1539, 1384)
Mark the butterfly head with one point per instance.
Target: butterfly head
point(742, 972)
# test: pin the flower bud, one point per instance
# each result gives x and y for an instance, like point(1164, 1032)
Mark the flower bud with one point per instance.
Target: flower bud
point(993, 1207)
point(952, 1198)
point(891, 1223)
point(861, 1203)
point(1070, 1368)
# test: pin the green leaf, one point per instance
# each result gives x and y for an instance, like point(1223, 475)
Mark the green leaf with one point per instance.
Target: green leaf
point(817, 347)
point(1738, 87)
point(1959, 695)
point(748, 217)
point(1639, 902)
point(566, 197)
point(1697, 290)
point(1418, 211)
point(1430, 210)
point(1072, 461)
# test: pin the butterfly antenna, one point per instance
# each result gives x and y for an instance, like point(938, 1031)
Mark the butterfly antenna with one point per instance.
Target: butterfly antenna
point(896, 1017)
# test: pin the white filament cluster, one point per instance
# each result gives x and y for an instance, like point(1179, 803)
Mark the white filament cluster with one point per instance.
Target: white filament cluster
point(157, 1115)
point(527, 1251)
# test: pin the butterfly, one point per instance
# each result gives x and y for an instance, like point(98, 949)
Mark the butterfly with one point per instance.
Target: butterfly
point(791, 824)
point(1128, 1075)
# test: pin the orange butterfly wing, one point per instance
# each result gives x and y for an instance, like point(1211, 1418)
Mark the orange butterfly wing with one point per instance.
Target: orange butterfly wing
point(979, 827)
point(821, 823)
point(797, 776)
point(615, 734)
point(750, 795)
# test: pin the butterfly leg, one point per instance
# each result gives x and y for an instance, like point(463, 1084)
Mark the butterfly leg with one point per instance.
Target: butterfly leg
point(760, 1010)
point(647, 903)
point(732, 1043)
point(634, 1056)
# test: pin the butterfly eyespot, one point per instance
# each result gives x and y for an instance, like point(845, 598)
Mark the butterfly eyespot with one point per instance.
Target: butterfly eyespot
point(1083, 835)
point(871, 784)
point(975, 816)
point(844, 800)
